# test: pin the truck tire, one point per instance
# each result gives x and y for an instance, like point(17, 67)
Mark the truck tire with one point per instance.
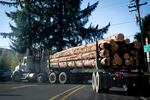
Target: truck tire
point(16, 76)
point(97, 82)
point(52, 78)
point(93, 81)
point(103, 82)
point(40, 78)
point(63, 78)
point(31, 77)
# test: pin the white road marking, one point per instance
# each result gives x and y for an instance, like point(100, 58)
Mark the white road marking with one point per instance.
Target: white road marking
point(23, 86)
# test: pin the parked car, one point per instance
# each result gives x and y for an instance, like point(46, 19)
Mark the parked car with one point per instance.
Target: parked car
point(5, 75)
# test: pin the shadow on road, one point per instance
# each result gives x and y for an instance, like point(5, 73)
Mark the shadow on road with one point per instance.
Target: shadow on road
point(10, 95)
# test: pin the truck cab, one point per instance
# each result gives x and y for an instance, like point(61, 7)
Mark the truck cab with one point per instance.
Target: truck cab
point(31, 69)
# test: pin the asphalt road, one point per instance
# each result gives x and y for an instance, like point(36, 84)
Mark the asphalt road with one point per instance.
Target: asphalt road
point(33, 91)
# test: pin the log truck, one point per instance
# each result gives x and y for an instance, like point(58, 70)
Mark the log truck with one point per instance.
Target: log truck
point(109, 63)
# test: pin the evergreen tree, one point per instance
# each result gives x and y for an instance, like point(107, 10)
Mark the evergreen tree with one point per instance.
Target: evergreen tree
point(146, 29)
point(53, 24)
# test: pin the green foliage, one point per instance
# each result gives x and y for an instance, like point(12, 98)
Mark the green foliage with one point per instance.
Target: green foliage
point(9, 59)
point(15, 60)
point(145, 27)
point(4, 60)
point(20, 33)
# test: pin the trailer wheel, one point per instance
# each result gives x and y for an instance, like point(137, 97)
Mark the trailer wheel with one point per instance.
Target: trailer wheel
point(52, 78)
point(62, 78)
point(97, 82)
point(93, 81)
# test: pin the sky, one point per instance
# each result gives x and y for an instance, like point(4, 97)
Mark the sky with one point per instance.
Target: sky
point(114, 11)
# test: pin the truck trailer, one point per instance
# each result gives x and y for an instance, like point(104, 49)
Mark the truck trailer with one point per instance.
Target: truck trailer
point(114, 62)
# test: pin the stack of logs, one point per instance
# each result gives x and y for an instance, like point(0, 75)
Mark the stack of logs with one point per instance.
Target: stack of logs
point(113, 51)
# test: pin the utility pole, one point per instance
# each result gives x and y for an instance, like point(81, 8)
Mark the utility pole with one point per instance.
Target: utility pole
point(135, 6)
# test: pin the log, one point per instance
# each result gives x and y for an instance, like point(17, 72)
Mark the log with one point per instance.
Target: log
point(71, 64)
point(89, 55)
point(114, 62)
point(75, 51)
point(111, 41)
point(136, 55)
point(114, 47)
point(119, 61)
point(88, 48)
point(80, 63)
point(126, 56)
point(105, 61)
point(74, 57)
point(63, 64)
point(131, 61)
point(133, 53)
point(78, 50)
point(53, 64)
point(91, 47)
point(54, 60)
point(117, 37)
point(127, 62)
point(62, 59)
point(104, 53)
point(113, 51)
point(89, 63)
point(104, 45)
point(116, 56)
point(127, 41)
point(137, 62)
point(137, 45)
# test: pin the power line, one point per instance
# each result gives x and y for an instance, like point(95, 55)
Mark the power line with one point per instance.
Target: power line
point(122, 23)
